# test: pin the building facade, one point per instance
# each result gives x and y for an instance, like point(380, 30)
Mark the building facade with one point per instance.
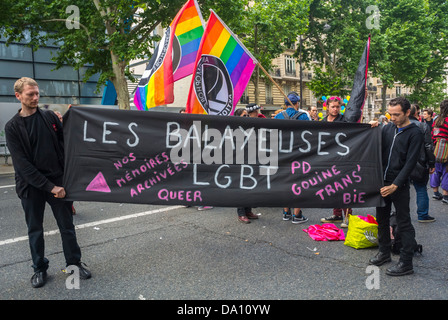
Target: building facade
point(62, 86)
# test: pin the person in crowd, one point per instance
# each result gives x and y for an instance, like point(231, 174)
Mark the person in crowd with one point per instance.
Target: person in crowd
point(312, 110)
point(245, 214)
point(383, 120)
point(424, 167)
point(240, 112)
point(401, 147)
point(440, 177)
point(293, 112)
point(253, 110)
point(200, 208)
point(35, 140)
point(334, 115)
point(427, 116)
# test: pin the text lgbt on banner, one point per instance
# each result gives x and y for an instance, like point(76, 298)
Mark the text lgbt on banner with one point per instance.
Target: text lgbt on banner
point(222, 71)
point(191, 159)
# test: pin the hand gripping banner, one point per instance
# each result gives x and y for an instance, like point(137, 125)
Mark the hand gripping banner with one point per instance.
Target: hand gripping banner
point(190, 159)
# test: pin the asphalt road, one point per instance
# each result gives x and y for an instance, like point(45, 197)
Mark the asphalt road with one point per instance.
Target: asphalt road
point(143, 252)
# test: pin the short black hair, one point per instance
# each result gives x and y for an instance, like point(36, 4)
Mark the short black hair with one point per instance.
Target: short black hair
point(401, 101)
point(239, 111)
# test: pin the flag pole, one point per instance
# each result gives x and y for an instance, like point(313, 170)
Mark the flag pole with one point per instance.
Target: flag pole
point(275, 83)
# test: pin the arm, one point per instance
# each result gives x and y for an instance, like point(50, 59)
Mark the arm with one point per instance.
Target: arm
point(413, 153)
point(429, 148)
point(22, 164)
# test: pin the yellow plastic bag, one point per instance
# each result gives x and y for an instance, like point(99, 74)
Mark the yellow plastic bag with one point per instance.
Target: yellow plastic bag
point(362, 232)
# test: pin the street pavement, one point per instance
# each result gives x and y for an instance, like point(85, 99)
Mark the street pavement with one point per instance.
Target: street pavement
point(145, 252)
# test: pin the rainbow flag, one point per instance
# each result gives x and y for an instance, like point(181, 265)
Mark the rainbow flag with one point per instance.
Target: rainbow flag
point(156, 87)
point(222, 71)
point(172, 60)
point(189, 31)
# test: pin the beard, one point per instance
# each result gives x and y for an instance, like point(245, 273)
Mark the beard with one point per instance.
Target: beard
point(31, 105)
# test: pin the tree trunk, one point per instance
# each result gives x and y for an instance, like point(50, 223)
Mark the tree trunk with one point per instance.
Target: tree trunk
point(120, 83)
point(383, 97)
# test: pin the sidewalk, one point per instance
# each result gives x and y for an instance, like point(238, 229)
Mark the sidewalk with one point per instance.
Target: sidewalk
point(6, 168)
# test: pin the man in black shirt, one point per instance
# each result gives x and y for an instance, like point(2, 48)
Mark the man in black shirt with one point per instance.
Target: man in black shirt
point(35, 141)
point(401, 146)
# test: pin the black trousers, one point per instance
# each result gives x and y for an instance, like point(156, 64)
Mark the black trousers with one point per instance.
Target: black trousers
point(243, 210)
point(34, 207)
point(400, 199)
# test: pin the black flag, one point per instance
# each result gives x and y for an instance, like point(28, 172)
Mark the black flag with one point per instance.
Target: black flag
point(358, 95)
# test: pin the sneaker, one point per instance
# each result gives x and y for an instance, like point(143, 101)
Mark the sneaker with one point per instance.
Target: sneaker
point(287, 215)
point(445, 200)
point(39, 279)
point(202, 208)
point(332, 219)
point(427, 219)
point(437, 196)
point(299, 218)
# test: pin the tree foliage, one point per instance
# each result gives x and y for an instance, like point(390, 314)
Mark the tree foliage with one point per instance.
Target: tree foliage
point(335, 42)
point(269, 26)
point(111, 32)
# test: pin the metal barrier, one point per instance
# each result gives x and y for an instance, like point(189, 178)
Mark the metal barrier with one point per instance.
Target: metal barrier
point(4, 150)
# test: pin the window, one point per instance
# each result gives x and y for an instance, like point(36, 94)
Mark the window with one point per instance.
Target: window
point(290, 65)
point(269, 98)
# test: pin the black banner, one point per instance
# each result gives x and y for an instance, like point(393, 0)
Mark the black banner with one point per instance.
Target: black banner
point(189, 159)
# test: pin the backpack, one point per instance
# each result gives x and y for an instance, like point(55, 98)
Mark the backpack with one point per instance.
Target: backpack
point(294, 117)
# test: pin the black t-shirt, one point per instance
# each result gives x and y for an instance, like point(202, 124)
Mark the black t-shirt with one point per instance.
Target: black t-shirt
point(44, 152)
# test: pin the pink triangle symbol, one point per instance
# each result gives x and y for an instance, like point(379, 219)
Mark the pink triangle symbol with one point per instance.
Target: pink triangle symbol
point(98, 184)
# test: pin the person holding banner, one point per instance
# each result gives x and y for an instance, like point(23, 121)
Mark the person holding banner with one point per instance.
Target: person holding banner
point(35, 140)
point(334, 115)
point(293, 112)
point(401, 146)
point(244, 213)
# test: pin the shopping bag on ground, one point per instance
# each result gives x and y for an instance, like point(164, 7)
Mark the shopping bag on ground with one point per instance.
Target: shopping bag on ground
point(362, 232)
point(325, 232)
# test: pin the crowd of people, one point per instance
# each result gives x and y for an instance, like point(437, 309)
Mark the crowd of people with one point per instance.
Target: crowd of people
point(35, 141)
point(408, 140)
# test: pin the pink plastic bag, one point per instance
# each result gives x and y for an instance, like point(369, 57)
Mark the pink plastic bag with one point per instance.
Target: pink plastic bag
point(368, 219)
point(325, 232)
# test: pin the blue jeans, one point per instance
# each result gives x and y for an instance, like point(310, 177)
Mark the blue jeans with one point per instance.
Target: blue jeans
point(422, 199)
